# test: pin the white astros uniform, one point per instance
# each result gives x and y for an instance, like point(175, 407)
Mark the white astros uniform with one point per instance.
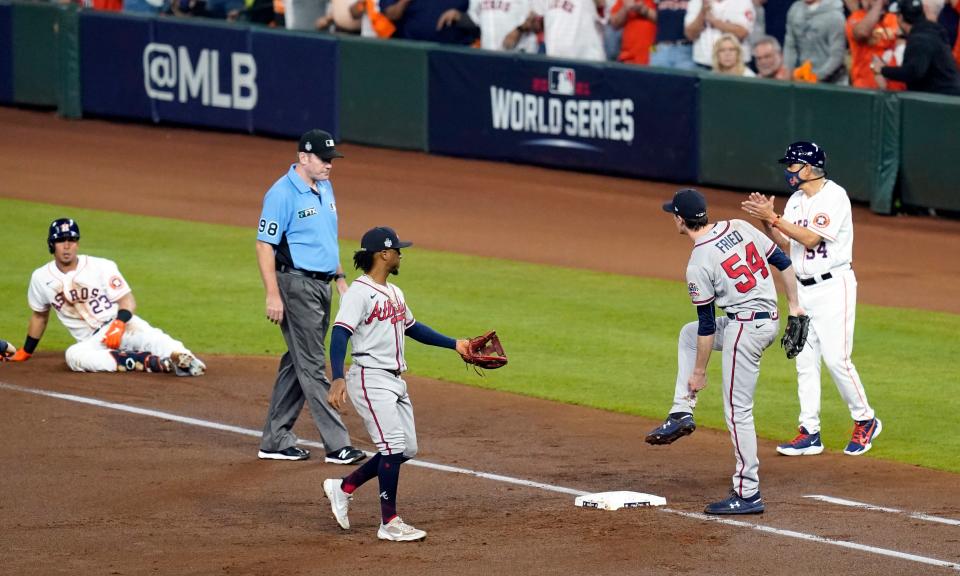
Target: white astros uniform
point(377, 318)
point(497, 18)
point(571, 28)
point(729, 265)
point(85, 300)
point(830, 301)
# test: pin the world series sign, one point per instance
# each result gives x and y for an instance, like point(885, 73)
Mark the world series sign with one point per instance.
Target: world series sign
point(558, 113)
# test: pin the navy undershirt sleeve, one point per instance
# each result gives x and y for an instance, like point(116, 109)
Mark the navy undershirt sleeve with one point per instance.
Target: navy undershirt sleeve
point(427, 335)
point(338, 350)
point(708, 319)
point(779, 259)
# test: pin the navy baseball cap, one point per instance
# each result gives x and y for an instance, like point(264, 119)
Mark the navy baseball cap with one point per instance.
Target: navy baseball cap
point(804, 153)
point(687, 204)
point(320, 143)
point(381, 238)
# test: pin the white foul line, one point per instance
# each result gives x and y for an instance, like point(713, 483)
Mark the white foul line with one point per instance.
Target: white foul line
point(865, 506)
point(489, 476)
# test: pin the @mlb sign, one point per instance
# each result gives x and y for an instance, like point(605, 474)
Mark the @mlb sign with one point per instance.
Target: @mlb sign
point(171, 74)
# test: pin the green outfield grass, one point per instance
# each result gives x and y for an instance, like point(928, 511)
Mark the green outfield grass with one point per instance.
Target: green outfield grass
point(587, 338)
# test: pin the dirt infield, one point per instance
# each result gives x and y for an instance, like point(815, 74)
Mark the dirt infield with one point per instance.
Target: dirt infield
point(93, 489)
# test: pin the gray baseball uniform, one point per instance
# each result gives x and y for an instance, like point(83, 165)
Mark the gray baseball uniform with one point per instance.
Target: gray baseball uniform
point(729, 266)
point(377, 317)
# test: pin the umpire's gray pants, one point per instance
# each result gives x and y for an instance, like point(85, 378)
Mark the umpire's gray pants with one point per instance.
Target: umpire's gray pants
point(301, 376)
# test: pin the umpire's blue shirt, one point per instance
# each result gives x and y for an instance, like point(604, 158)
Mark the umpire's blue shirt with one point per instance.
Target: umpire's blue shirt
point(304, 222)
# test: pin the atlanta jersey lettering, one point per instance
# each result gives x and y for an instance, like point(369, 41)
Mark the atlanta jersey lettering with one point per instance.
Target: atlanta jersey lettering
point(827, 213)
point(377, 318)
point(729, 265)
point(85, 298)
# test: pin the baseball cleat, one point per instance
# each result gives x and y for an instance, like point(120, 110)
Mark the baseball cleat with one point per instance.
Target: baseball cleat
point(339, 501)
point(676, 426)
point(345, 455)
point(291, 453)
point(734, 504)
point(398, 531)
point(863, 434)
point(186, 364)
point(804, 444)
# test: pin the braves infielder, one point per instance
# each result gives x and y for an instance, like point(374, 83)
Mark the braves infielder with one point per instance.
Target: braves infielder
point(729, 267)
point(817, 228)
point(375, 317)
point(95, 303)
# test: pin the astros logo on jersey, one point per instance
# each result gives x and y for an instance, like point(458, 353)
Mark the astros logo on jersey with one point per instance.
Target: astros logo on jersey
point(821, 220)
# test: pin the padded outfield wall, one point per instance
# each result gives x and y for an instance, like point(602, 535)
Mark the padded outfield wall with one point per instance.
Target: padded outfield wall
point(601, 117)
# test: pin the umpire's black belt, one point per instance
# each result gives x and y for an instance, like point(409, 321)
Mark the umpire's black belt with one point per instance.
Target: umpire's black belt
point(814, 279)
point(748, 316)
point(323, 276)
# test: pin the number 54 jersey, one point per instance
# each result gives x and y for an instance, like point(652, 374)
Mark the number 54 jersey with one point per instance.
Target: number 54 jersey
point(85, 298)
point(729, 265)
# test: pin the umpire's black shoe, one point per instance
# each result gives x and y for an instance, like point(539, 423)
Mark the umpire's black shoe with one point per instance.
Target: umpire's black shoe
point(291, 453)
point(345, 455)
point(734, 504)
point(676, 426)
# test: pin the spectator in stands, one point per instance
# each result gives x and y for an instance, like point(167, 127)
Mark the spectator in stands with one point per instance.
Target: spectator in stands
point(638, 21)
point(872, 31)
point(146, 6)
point(502, 25)
point(672, 48)
point(768, 58)
point(571, 28)
point(759, 22)
point(707, 20)
point(928, 65)
point(303, 14)
point(728, 57)
point(956, 44)
point(815, 40)
point(417, 20)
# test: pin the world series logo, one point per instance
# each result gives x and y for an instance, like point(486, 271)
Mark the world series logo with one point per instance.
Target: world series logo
point(170, 74)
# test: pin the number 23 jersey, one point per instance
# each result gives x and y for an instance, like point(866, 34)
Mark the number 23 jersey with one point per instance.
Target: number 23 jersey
point(827, 214)
point(85, 298)
point(729, 265)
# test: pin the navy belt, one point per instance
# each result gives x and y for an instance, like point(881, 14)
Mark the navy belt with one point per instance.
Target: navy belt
point(394, 372)
point(753, 316)
point(323, 276)
point(813, 279)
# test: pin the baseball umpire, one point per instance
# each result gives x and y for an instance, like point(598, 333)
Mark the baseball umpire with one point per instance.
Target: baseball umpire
point(298, 256)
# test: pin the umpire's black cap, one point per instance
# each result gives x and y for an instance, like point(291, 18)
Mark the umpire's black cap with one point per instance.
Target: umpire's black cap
point(381, 238)
point(687, 204)
point(319, 142)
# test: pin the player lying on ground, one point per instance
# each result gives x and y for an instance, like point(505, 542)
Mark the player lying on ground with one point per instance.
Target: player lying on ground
point(95, 303)
point(374, 316)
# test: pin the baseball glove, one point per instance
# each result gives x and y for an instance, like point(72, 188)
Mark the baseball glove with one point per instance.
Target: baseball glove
point(485, 351)
point(795, 336)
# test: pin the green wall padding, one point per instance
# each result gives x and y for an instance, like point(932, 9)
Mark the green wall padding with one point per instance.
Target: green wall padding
point(746, 124)
point(383, 92)
point(930, 139)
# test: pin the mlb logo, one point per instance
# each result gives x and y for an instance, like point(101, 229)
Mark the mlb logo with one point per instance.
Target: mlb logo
point(563, 81)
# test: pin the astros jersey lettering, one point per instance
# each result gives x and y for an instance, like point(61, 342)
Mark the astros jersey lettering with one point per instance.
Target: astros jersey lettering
point(377, 317)
point(84, 299)
point(497, 18)
point(729, 265)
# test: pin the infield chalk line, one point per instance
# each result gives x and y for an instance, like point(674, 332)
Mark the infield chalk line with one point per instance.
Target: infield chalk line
point(496, 477)
point(865, 506)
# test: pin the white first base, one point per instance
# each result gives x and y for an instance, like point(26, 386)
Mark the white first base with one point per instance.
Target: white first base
point(618, 500)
